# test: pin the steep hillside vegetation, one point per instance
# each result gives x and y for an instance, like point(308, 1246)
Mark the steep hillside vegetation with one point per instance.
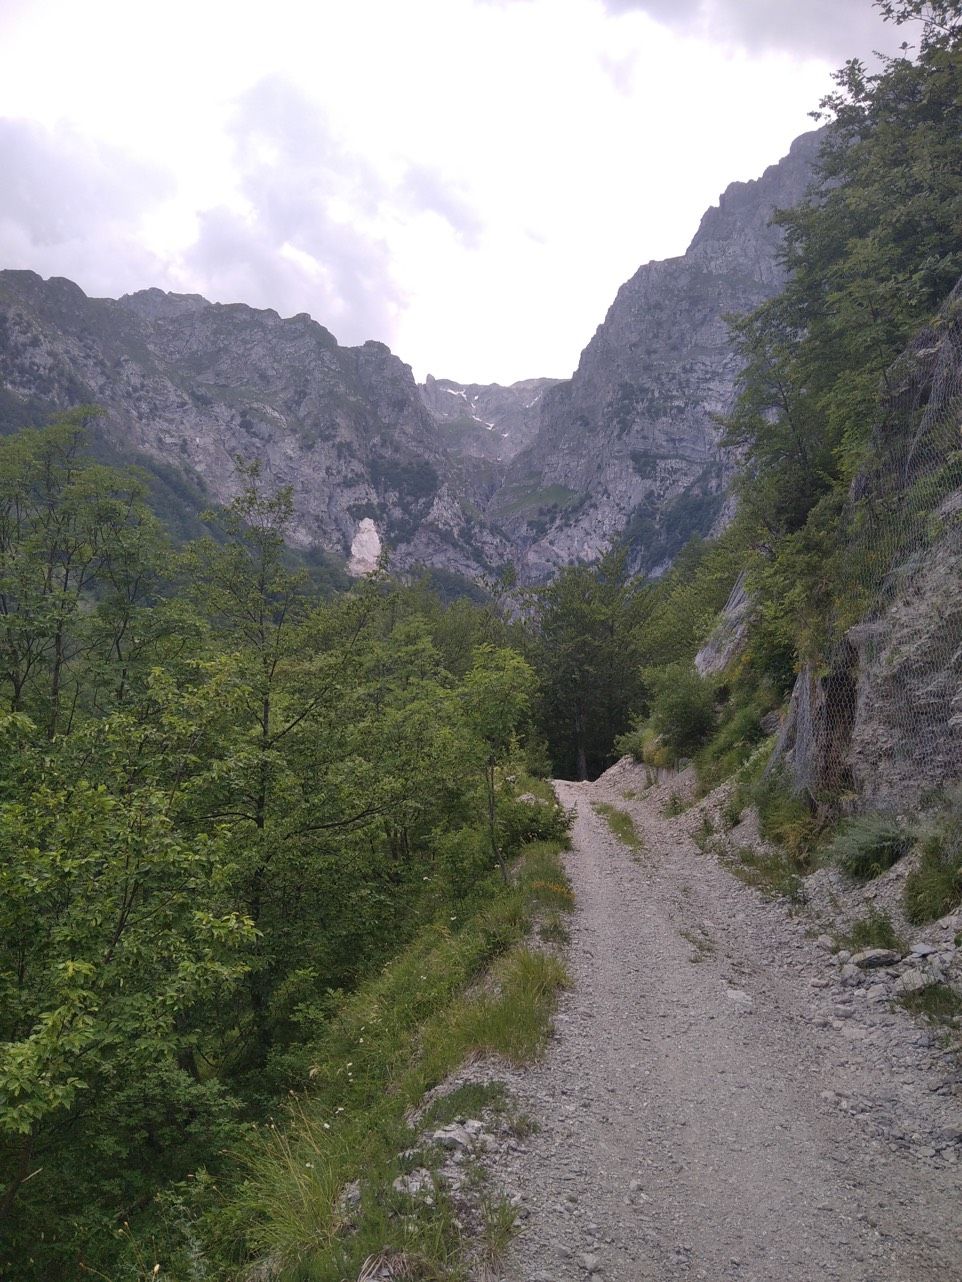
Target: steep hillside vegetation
point(847, 610)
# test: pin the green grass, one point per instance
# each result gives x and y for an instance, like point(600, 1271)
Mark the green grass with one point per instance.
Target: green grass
point(675, 806)
point(874, 930)
point(733, 809)
point(452, 994)
point(525, 498)
point(620, 823)
point(934, 888)
point(784, 818)
point(775, 875)
point(866, 846)
point(470, 1100)
point(738, 734)
point(540, 788)
point(703, 833)
point(938, 1003)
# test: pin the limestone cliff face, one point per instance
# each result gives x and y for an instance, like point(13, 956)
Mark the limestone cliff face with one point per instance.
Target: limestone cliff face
point(883, 722)
point(486, 420)
point(629, 445)
point(190, 386)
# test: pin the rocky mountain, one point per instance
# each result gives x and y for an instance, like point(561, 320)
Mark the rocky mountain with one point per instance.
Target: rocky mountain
point(629, 446)
point(459, 477)
point(188, 386)
point(486, 420)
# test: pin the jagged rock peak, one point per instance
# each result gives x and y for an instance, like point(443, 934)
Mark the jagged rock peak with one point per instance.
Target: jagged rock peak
point(629, 447)
point(486, 420)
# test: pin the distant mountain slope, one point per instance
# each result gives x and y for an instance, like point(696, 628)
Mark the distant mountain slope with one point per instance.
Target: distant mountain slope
point(458, 477)
point(188, 386)
point(486, 420)
point(629, 445)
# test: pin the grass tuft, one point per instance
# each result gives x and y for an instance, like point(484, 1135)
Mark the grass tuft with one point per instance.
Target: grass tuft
point(938, 1003)
point(866, 846)
point(469, 1100)
point(934, 888)
point(874, 930)
point(775, 875)
point(621, 824)
point(675, 806)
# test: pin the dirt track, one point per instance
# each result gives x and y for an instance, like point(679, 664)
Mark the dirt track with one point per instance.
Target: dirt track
point(715, 1105)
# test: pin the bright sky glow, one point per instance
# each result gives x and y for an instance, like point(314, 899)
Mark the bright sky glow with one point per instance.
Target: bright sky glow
point(467, 180)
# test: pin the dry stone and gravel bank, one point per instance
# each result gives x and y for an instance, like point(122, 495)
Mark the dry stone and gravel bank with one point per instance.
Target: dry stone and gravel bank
point(719, 1101)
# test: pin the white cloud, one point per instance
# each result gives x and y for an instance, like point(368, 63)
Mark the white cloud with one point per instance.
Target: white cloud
point(834, 29)
point(72, 205)
point(468, 181)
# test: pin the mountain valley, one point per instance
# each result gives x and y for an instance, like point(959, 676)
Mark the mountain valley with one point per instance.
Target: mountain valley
point(458, 478)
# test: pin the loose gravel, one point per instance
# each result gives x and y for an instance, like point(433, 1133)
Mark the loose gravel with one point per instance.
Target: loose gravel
point(716, 1103)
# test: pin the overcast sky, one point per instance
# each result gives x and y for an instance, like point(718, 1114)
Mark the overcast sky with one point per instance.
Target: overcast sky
point(467, 180)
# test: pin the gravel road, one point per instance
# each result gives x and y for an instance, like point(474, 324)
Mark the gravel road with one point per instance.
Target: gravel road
point(715, 1104)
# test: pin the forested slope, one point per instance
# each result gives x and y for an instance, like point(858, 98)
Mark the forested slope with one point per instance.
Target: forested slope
point(256, 841)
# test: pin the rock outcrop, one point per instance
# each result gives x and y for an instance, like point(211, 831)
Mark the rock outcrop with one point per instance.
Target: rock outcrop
point(883, 721)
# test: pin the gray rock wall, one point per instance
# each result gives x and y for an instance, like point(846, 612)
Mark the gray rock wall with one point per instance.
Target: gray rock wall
point(881, 727)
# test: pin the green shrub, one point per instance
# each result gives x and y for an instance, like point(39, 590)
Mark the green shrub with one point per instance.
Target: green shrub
point(646, 745)
point(683, 709)
point(866, 846)
point(632, 742)
point(522, 822)
point(874, 930)
point(935, 887)
point(784, 817)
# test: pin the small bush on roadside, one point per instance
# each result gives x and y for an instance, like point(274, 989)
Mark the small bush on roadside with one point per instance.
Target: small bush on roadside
point(675, 806)
point(682, 709)
point(522, 822)
point(784, 817)
point(935, 887)
point(874, 930)
point(867, 845)
point(646, 746)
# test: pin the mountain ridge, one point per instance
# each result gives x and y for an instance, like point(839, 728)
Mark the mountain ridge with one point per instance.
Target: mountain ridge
point(457, 477)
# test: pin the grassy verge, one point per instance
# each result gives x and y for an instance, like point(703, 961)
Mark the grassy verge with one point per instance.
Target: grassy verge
point(938, 1003)
point(874, 930)
point(621, 824)
point(462, 988)
point(775, 875)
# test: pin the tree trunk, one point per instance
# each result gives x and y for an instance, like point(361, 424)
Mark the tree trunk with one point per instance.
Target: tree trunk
point(492, 819)
point(581, 759)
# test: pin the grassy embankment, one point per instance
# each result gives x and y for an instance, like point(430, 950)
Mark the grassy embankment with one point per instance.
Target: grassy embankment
point(477, 985)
